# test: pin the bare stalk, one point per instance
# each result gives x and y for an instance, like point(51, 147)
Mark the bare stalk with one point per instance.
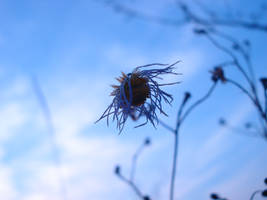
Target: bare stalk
point(254, 194)
point(180, 120)
point(48, 118)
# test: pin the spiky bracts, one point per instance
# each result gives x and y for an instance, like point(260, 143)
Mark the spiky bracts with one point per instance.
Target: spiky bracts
point(139, 94)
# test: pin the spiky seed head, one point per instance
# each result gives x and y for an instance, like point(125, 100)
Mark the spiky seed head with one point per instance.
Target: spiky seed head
point(139, 94)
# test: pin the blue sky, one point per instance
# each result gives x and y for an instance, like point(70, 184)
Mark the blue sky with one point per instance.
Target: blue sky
point(74, 50)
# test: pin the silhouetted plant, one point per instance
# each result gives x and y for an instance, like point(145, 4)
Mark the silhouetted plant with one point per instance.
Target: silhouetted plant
point(216, 196)
point(181, 116)
point(262, 192)
point(238, 52)
point(248, 129)
point(130, 181)
point(139, 95)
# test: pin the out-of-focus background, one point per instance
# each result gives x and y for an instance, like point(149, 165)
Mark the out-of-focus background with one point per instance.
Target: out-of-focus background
point(57, 62)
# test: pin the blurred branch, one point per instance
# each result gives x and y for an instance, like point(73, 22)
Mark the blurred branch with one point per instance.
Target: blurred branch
point(188, 17)
point(216, 196)
point(254, 194)
point(198, 102)
point(242, 89)
point(131, 184)
point(215, 21)
point(238, 47)
point(250, 128)
point(130, 12)
point(237, 53)
point(130, 181)
point(136, 156)
point(48, 118)
point(179, 121)
point(254, 96)
point(235, 60)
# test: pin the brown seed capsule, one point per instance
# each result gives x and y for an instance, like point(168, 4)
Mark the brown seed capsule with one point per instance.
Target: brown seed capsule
point(139, 89)
point(139, 95)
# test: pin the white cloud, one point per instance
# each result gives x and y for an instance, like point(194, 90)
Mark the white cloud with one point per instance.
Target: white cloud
point(86, 163)
point(85, 170)
point(12, 117)
point(7, 188)
point(17, 87)
point(14, 110)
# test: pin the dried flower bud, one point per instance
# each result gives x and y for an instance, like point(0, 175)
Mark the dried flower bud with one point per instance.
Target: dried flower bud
point(264, 193)
point(264, 83)
point(117, 170)
point(200, 31)
point(187, 96)
point(235, 46)
point(222, 122)
point(183, 7)
point(247, 43)
point(146, 198)
point(218, 74)
point(248, 125)
point(214, 196)
point(139, 95)
point(147, 141)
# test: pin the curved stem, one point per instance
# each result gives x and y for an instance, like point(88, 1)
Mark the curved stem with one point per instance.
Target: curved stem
point(132, 185)
point(227, 51)
point(49, 122)
point(254, 194)
point(265, 99)
point(180, 119)
point(166, 126)
point(241, 88)
point(255, 101)
point(174, 164)
point(198, 102)
point(240, 49)
point(134, 161)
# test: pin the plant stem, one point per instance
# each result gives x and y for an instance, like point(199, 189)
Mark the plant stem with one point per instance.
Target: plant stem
point(253, 194)
point(174, 164)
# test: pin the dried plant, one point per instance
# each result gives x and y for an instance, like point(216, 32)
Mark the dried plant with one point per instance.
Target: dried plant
point(139, 94)
point(238, 52)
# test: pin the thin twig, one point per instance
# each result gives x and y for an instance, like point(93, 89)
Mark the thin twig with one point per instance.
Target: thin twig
point(180, 119)
point(166, 126)
point(265, 100)
point(227, 51)
point(48, 118)
point(239, 48)
point(134, 160)
point(130, 12)
point(132, 185)
point(254, 194)
point(239, 67)
point(174, 164)
point(241, 88)
point(176, 145)
point(257, 104)
point(256, 132)
point(130, 181)
point(201, 100)
point(220, 22)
